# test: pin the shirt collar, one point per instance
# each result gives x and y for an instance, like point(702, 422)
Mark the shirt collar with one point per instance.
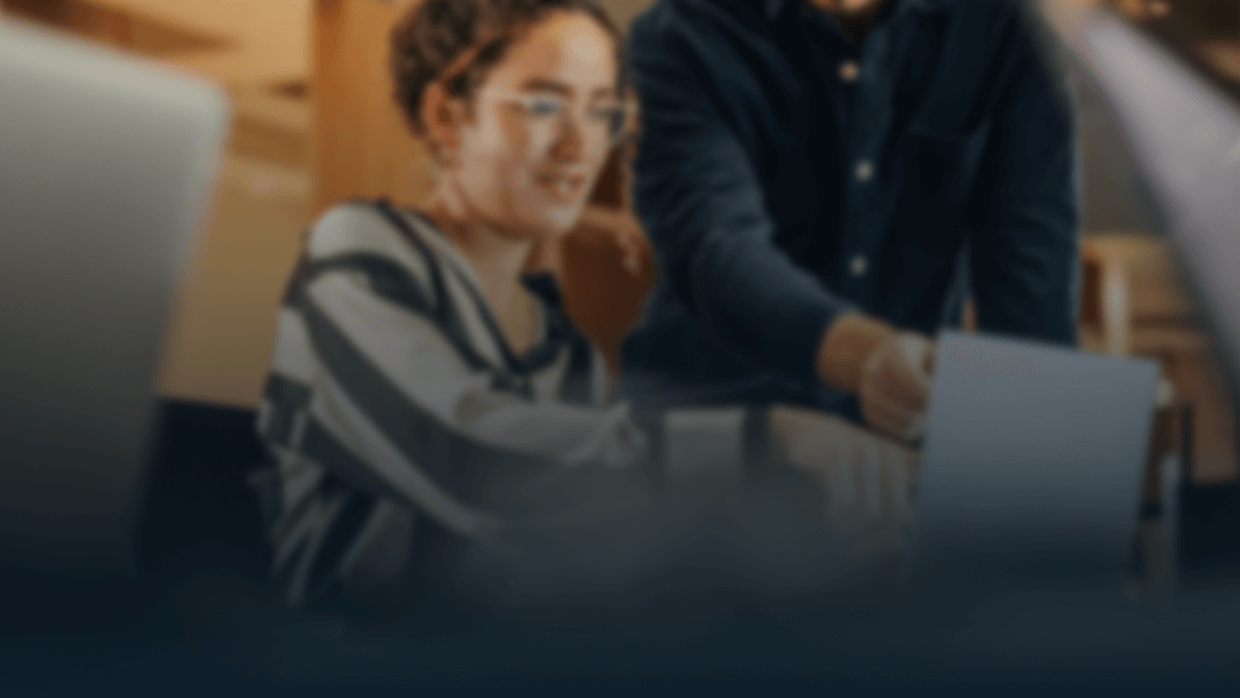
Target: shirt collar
point(774, 7)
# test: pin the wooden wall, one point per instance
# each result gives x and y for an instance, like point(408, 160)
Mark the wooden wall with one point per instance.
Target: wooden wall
point(360, 144)
point(222, 330)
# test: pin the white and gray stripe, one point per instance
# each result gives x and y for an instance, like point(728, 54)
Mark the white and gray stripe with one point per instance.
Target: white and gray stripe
point(393, 399)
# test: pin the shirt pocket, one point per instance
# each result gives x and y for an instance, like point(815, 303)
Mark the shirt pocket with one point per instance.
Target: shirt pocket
point(942, 161)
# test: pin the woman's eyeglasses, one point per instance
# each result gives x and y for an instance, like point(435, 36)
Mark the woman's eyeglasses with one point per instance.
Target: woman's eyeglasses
point(602, 123)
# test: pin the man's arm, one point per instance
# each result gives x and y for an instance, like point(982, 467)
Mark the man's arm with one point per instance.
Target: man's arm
point(703, 207)
point(1024, 244)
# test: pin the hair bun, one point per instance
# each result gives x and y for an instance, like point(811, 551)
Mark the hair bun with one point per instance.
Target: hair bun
point(458, 41)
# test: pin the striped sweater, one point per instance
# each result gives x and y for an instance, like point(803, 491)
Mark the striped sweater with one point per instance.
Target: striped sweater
point(394, 407)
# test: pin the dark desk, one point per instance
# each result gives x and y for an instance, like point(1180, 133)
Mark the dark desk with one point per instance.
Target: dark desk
point(203, 621)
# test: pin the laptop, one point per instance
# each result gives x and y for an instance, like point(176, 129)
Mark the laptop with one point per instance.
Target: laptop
point(106, 168)
point(1031, 468)
point(1033, 473)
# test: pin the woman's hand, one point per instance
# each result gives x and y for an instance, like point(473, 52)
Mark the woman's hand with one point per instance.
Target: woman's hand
point(619, 227)
point(867, 479)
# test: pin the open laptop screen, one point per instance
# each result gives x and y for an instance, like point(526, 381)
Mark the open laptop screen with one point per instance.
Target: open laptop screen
point(106, 164)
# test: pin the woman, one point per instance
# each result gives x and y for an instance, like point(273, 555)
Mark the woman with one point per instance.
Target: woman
point(426, 402)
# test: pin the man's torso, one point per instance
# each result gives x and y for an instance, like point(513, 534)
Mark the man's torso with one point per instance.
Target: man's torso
point(868, 153)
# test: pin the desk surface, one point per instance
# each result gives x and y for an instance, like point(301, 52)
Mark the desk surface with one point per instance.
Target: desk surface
point(1045, 644)
point(215, 631)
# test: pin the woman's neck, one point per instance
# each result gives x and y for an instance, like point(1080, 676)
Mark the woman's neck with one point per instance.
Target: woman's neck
point(497, 261)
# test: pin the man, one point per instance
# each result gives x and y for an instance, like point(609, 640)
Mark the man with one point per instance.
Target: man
point(822, 180)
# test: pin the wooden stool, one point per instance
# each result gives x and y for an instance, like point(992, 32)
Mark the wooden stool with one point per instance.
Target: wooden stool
point(1133, 303)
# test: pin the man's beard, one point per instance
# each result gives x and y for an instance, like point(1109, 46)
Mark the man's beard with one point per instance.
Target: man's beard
point(855, 19)
point(850, 12)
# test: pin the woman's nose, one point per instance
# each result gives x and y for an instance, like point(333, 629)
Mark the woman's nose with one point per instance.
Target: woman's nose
point(568, 142)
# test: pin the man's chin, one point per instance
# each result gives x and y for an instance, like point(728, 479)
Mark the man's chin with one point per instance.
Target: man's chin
point(846, 10)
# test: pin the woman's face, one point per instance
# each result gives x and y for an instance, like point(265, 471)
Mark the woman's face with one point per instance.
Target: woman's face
point(538, 132)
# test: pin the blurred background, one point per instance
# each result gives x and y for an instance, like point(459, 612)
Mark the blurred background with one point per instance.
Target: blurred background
point(314, 123)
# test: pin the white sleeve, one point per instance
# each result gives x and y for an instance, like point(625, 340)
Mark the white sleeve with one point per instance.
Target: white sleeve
point(406, 356)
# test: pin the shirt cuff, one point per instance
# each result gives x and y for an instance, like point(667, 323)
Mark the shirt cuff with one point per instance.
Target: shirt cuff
point(794, 335)
point(731, 442)
point(704, 442)
point(760, 460)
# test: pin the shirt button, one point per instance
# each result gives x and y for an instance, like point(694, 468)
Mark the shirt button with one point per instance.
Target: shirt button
point(859, 265)
point(865, 171)
point(849, 71)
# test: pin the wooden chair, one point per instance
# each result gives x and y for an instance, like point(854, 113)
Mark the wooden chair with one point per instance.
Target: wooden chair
point(1133, 303)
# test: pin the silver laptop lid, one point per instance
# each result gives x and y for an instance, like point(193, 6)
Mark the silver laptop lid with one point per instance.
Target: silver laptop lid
point(1032, 463)
point(106, 164)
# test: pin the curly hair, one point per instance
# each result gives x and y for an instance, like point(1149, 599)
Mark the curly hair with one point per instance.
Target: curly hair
point(457, 42)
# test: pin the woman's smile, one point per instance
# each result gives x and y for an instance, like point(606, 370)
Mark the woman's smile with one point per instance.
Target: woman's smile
point(561, 187)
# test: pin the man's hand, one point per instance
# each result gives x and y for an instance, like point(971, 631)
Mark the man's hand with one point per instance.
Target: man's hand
point(888, 369)
point(895, 385)
point(867, 479)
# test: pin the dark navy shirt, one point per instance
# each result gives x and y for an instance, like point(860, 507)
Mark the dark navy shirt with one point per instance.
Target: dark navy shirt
point(787, 173)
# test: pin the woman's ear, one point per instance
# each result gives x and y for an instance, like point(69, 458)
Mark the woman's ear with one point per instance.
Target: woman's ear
point(441, 118)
